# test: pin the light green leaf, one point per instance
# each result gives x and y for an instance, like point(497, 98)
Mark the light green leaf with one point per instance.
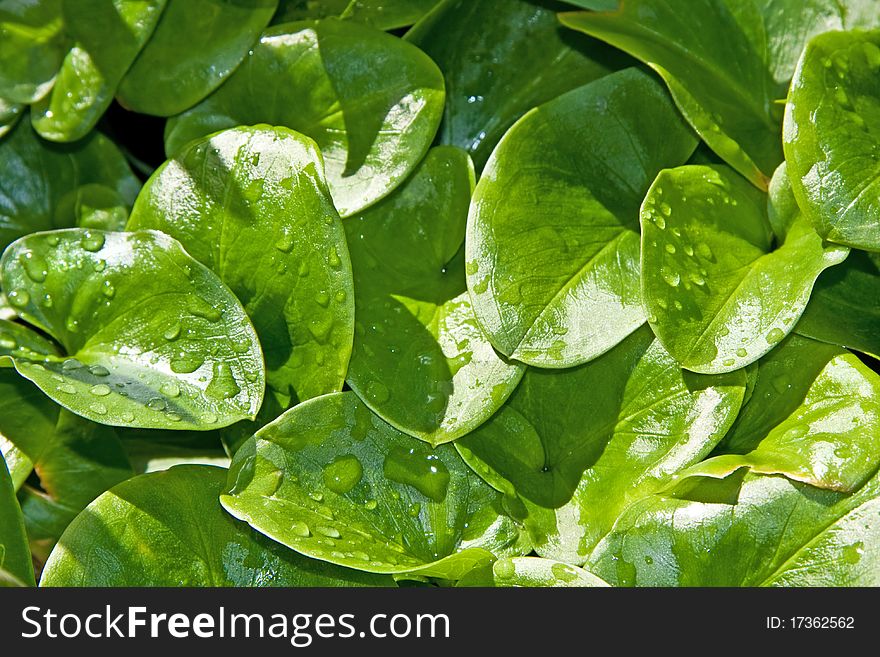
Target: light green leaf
point(843, 308)
point(108, 36)
point(745, 530)
point(370, 101)
point(552, 243)
point(43, 184)
point(25, 413)
point(167, 529)
point(718, 295)
point(590, 441)
point(151, 338)
point(533, 571)
point(334, 482)
point(252, 205)
point(830, 143)
point(196, 45)
point(420, 360)
point(298, 10)
point(501, 59)
point(15, 556)
point(814, 416)
point(32, 45)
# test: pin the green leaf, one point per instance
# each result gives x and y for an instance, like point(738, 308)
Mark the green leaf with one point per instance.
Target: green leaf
point(194, 48)
point(371, 102)
point(227, 198)
point(334, 482)
point(533, 571)
point(388, 14)
point(718, 295)
point(552, 244)
point(814, 416)
point(830, 143)
point(298, 10)
point(420, 360)
point(746, 530)
point(9, 113)
point(32, 45)
point(25, 413)
point(43, 183)
point(151, 338)
point(75, 461)
point(646, 419)
point(843, 307)
point(501, 59)
point(108, 36)
point(167, 529)
point(15, 556)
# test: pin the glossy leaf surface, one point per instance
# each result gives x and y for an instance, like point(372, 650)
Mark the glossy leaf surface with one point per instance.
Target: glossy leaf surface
point(717, 294)
point(591, 440)
point(552, 244)
point(420, 360)
point(334, 482)
point(15, 557)
point(501, 60)
point(830, 137)
point(32, 45)
point(167, 529)
point(252, 205)
point(195, 46)
point(151, 338)
point(370, 101)
point(108, 36)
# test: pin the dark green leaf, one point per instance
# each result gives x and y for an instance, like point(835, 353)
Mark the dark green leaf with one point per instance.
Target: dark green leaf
point(501, 59)
point(15, 556)
point(195, 46)
point(32, 45)
point(43, 184)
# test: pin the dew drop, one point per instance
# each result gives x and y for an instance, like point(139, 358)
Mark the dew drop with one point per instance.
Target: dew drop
point(201, 308)
point(742, 353)
point(329, 532)
point(19, 298)
point(322, 299)
point(99, 370)
point(92, 242)
point(185, 363)
point(34, 266)
point(222, 382)
point(98, 408)
point(71, 364)
point(775, 335)
point(100, 390)
point(285, 243)
point(301, 529)
point(157, 404)
point(172, 332)
point(169, 389)
point(370, 504)
point(67, 389)
point(343, 474)
point(423, 471)
point(672, 277)
point(333, 258)
point(377, 392)
point(108, 290)
point(670, 248)
point(173, 417)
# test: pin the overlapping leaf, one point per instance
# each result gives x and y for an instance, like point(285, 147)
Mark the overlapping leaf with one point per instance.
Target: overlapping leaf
point(333, 481)
point(420, 360)
point(151, 338)
point(552, 244)
point(370, 101)
point(152, 531)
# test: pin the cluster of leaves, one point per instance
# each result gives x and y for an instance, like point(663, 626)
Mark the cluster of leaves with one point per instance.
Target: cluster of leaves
point(521, 295)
